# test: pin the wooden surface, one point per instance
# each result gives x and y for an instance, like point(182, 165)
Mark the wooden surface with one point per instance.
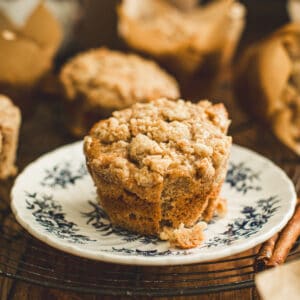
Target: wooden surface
point(43, 130)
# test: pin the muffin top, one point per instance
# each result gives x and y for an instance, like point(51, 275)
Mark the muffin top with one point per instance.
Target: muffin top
point(112, 79)
point(143, 144)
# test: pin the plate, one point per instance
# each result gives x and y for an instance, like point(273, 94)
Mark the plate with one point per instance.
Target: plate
point(55, 200)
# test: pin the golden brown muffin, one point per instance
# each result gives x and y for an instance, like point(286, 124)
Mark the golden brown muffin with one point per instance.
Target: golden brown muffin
point(159, 165)
point(100, 81)
point(26, 53)
point(10, 120)
point(267, 83)
point(186, 39)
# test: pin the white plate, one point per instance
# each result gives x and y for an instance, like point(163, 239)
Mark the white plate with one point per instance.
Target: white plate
point(55, 200)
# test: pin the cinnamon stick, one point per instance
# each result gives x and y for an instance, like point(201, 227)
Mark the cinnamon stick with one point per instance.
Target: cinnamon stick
point(265, 253)
point(287, 239)
point(275, 251)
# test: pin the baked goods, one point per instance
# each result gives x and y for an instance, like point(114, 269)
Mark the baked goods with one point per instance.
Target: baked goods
point(27, 50)
point(160, 165)
point(100, 81)
point(186, 40)
point(269, 72)
point(184, 238)
point(184, 4)
point(10, 119)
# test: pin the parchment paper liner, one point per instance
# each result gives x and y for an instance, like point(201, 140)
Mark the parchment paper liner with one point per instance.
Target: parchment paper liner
point(261, 78)
point(203, 32)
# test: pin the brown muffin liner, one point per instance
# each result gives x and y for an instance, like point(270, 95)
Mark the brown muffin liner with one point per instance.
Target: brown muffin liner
point(27, 53)
point(261, 79)
point(211, 31)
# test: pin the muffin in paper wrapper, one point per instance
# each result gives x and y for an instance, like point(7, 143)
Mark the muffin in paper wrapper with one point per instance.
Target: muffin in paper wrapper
point(184, 4)
point(267, 83)
point(28, 49)
point(186, 39)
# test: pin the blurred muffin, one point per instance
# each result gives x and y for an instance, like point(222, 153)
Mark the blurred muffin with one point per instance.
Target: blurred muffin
point(99, 81)
point(159, 167)
point(10, 120)
point(267, 83)
point(184, 4)
point(27, 50)
point(185, 38)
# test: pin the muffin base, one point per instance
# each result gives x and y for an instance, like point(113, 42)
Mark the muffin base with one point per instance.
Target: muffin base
point(129, 211)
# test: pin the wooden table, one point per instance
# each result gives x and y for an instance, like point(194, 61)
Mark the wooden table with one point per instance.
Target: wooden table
point(43, 130)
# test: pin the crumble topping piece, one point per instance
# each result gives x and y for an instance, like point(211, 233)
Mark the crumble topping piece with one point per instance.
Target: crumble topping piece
point(184, 238)
point(221, 208)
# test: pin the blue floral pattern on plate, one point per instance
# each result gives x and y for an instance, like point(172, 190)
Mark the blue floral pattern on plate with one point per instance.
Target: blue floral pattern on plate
point(254, 218)
point(100, 221)
point(50, 215)
point(55, 200)
point(63, 175)
point(242, 177)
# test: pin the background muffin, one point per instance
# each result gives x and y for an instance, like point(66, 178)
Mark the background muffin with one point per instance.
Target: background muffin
point(27, 49)
point(185, 40)
point(100, 81)
point(160, 164)
point(270, 71)
point(10, 120)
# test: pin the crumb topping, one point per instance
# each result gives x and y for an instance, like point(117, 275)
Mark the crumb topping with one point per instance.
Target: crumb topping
point(184, 238)
point(116, 80)
point(149, 141)
point(221, 207)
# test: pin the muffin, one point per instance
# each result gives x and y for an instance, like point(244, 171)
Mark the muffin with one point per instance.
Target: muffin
point(184, 4)
point(27, 50)
point(10, 119)
point(159, 166)
point(186, 39)
point(270, 73)
point(99, 81)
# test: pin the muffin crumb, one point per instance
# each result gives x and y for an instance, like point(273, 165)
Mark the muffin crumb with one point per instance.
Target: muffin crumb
point(221, 208)
point(184, 238)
